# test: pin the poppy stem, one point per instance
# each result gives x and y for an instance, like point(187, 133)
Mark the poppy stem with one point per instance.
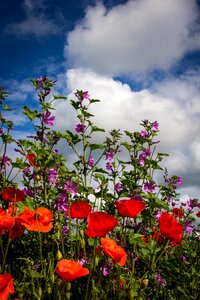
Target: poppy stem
point(5, 254)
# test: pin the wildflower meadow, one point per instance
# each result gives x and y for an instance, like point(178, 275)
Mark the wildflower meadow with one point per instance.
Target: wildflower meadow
point(108, 225)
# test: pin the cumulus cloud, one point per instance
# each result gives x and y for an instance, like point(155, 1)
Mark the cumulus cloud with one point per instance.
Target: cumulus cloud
point(36, 23)
point(135, 37)
point(122, 108)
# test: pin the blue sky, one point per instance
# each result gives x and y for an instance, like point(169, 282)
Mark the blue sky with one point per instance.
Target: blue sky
point(141, 58)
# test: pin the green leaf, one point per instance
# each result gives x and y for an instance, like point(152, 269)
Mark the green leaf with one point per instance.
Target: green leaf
point(6, 107)
point(134, 237)
point(7, 139)
point(95, 128)
point(127, 146)
point(56, 97)
point(94, 100)
point(31, 114)
point(96, 146)
point(18, 163)
point(70, 137)
point(74, 104)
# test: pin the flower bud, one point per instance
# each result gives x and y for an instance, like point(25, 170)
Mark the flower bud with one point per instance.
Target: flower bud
point(39, 293)
point(59, 255)
point(96, 262)
point(60, 217)
point(131, 294)
point(68, 285)
point(145, 282)
point(52, 278)
point(81, 233)
point(82, 243)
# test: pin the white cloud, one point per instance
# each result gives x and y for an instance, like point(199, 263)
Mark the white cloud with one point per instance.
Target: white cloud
point(135, 37)
point(122, 108)
point(195, 149)
point(36, 22)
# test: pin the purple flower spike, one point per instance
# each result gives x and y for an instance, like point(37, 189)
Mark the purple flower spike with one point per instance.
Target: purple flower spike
point(118, 187)
point(47, 118)
point(86, 95)
point(144, 134)
point(154, 126)
point(80, 128)
point(149, 186)
point(91, 161)
point(71, 187)
point(160, 280)
point(109, 155)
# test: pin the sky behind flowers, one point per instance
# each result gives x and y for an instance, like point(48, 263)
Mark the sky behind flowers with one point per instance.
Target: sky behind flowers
point(141, 58)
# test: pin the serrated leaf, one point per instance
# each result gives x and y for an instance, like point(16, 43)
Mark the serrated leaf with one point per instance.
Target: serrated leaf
point(31, 114)
point(96, 146)
point(95, 128)
point(7, 107)
point(6, 138)
point(18, 163)
point(74, 104)
point(70, 137)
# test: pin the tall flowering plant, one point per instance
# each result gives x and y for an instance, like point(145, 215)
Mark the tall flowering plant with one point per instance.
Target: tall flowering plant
point(100, 228)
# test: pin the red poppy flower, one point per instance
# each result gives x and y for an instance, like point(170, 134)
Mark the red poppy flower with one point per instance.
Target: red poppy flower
point(114, 251)
point(12, 195)
point(198, 214)
point(100, 223)
point(39, 220)
point(178, 212)
point(170, 228)
point(129, 208)
point(16, 231)
point(6, 286)
point(70, 270)
point(6, 221)
point(31, 158)
point(80, 210)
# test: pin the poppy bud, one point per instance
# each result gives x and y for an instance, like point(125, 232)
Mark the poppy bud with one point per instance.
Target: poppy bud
point(39, 293)
point(59, 255)
point(82, 243)
point(96, 261)
point(68, 285)
point(60, 217)
point(145, 282)
point(49, 290)
point(131, 294)
point(68, 294)
point(52, 277)
point(81, 233)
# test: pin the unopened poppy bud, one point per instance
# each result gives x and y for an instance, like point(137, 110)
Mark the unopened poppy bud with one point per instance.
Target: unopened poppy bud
point(49, 290)
point(39, 293)
point(81, 233)
point(145, 282)
point(68, 285)
point(82, 243)
point(96, 261)
point(131, 294)
point(52, 277)
point(60, 217)
point(59, 255)
point(68, 294)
